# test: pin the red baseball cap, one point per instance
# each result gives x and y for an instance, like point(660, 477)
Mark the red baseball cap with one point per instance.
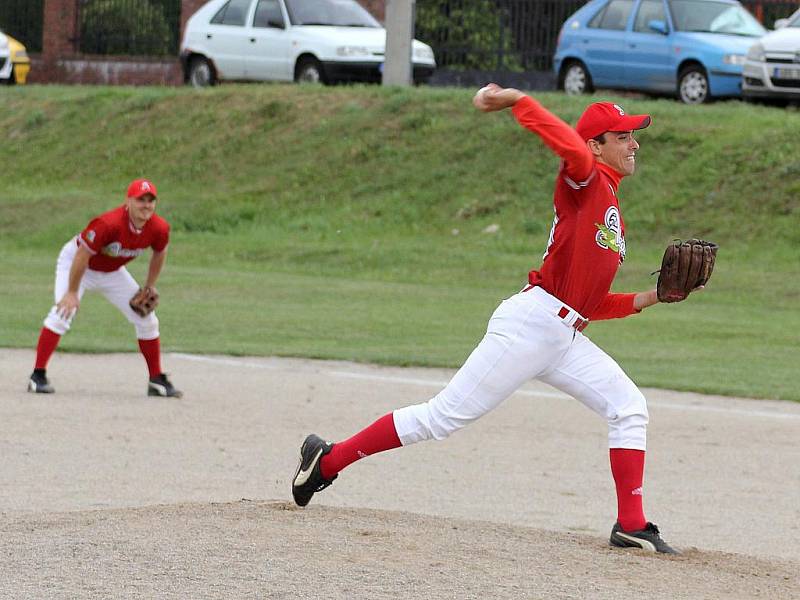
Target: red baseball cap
point(140, 187)
point(606, 116)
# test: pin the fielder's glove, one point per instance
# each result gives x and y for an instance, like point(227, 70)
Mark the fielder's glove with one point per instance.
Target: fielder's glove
point(144, 301)
point(685, 267)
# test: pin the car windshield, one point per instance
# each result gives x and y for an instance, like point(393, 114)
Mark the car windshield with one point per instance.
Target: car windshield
point(344, 13)
point(714, 17)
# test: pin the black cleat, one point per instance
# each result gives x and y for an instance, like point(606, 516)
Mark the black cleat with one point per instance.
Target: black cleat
point(308, 479)
point(648, 539)
point(38, 383)
point(161, 386)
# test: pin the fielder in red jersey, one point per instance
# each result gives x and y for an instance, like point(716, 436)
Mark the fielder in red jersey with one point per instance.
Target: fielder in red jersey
point(537, 333)
point(95, 260)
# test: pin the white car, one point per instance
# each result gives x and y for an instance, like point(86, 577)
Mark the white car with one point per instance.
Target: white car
point(772, 68)
point(325, 41)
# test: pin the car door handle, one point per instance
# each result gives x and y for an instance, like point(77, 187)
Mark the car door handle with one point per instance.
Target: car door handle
point(631, 45)
point(253, 40)
point(208, 36)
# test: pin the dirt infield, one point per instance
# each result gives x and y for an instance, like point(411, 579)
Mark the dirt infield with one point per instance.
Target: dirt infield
point(108, 493)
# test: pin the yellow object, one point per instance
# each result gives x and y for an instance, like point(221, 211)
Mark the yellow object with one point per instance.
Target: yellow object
point(20, 60)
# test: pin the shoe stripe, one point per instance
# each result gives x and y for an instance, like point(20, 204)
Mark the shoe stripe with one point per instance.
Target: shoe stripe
point(643, 544)
point(36, 388)
point(157, 387)
point(302, 476)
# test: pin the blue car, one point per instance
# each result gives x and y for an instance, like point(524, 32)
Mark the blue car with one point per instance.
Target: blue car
point(694, 49)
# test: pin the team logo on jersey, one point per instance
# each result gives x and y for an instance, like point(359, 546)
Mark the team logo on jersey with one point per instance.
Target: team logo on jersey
point(609, 233)
point(90, 235)
point(112, 249)
point(116, 250)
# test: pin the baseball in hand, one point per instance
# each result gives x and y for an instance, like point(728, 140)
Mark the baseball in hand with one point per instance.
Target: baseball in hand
point(480, 98)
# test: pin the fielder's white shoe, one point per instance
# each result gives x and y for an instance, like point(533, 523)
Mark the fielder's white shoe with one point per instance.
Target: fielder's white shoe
point(161, 386)
point(38, 383)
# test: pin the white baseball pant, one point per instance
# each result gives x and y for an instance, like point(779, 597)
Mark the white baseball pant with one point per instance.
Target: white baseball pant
point(117, 286)
point(526, 339)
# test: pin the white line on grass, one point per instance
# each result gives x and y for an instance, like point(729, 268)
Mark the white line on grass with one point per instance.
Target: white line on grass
point(233, 362)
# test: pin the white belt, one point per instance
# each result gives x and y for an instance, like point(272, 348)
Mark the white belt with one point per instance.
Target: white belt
point(568, 315)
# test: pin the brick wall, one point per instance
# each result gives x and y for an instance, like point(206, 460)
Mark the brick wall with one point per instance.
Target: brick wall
point(188, 8)
point(376, 7)
point(60, 29)
point(60, 61)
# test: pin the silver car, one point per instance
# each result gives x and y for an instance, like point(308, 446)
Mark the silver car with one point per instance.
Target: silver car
point(772, 67)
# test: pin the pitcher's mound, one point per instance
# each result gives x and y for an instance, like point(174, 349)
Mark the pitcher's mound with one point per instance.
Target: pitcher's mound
point(275, 550)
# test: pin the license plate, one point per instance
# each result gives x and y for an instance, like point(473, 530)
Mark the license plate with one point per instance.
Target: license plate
point(786, 74)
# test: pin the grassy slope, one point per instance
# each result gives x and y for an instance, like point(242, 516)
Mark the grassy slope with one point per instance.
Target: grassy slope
point(321, 222)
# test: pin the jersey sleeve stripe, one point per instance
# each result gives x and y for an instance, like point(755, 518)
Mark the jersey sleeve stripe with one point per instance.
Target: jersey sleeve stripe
point(581, 184)
point(82, 242)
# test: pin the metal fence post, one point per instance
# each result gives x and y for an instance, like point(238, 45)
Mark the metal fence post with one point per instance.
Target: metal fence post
point(399, 32)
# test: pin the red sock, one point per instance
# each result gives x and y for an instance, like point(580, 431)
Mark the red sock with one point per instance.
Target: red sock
point(627, 466)
point(379, 436)
point(48, 341)
point(151, 350)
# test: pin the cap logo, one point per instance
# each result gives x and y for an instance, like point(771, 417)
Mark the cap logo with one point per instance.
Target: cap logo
point(146, 186)
point(619, 110)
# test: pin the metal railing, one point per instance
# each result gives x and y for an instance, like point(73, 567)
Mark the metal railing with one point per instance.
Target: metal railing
point(129, 27)
point(516, 36)
point(512, 36)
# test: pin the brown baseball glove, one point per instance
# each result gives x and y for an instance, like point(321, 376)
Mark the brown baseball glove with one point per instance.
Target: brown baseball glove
point(144, 301)
point(685, 267)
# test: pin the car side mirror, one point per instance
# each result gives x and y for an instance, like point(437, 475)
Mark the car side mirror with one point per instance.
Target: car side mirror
point(781, 23)
point(658, 26)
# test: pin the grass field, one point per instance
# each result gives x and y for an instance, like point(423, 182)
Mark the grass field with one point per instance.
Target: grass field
point(349, 223)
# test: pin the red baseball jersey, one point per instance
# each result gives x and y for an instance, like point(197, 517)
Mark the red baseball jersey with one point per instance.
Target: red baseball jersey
point(587, 240)
point(113, 240)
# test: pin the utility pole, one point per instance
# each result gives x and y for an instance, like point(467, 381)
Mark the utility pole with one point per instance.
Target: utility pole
point(397, 69)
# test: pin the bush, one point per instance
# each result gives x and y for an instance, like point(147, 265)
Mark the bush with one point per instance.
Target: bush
point(467, 34)
point(132, 27)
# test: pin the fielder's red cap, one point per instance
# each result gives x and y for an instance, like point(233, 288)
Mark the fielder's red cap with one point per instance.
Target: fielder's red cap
point(606, 116)
point(140, 187)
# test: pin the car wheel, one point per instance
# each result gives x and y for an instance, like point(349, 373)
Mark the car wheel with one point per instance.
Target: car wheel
point(576, 79)
point(309, 70)
point(693, 85)
point(200, 73)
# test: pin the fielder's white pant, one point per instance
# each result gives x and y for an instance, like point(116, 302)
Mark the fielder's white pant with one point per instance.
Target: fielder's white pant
point(526, 339)
point(117, 286)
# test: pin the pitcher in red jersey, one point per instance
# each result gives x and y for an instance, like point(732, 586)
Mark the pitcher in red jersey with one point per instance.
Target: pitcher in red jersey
point(95, 260)
point(537, 333)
